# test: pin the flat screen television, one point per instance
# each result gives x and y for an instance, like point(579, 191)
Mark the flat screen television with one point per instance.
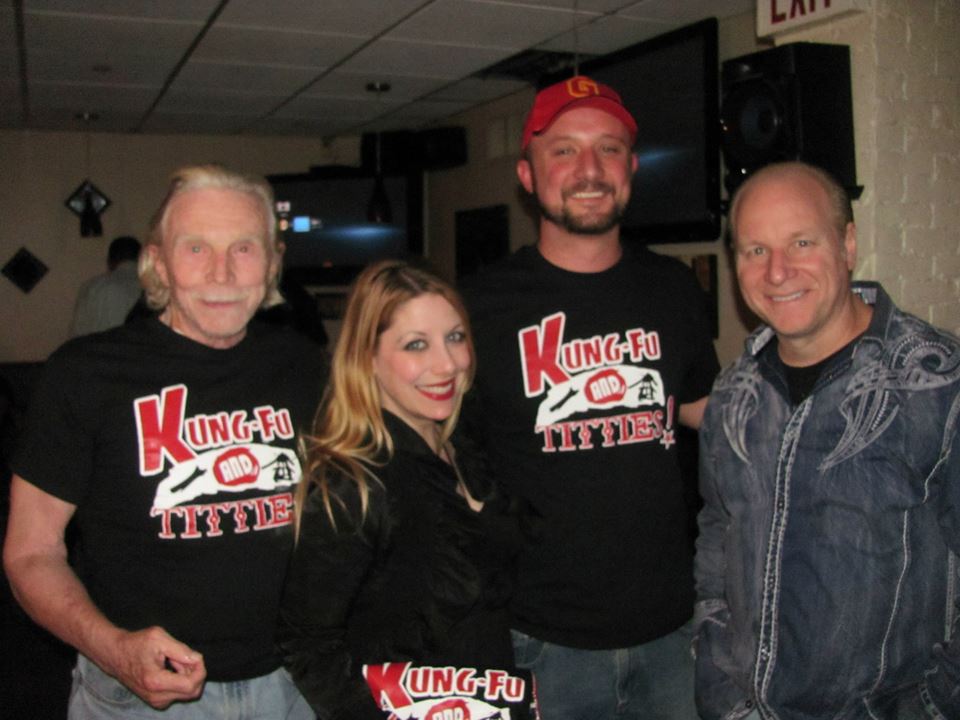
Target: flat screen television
point(322, 218)
point(670, 84)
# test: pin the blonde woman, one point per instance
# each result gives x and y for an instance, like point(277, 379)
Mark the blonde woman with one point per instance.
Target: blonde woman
point(398, 557)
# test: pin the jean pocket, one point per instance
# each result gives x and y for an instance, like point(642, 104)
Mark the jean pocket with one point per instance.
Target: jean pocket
point(717, 692)
point(526, 650)
point(104, 688)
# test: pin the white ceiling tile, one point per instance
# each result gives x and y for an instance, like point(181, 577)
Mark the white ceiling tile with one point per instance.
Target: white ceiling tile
point(606, 35)
point(262, 79)
point(220, 102)
point(588, 6)
point(11, 109)
point(477, 90)
point(213, 124)
point(687, 11)
point(133, 69)
point(425, 112)
point(428, 60)
point(320, 127)
point(111, 120)
point(184, 10)
point(467, 22)
point(84, 37)
point(81, 97)
point(274, 47)
point(355, 17)
point(341, 83)
point(351, 111)
point(9, 65)
point(8, 28)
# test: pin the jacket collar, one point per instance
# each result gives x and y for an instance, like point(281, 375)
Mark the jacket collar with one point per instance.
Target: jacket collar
point(405, 438)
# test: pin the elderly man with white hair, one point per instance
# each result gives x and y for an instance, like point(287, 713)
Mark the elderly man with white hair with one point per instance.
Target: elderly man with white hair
point(170, 442)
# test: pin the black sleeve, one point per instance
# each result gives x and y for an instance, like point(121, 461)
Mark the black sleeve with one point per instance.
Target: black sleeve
point(55, 452)
point(698, 380)
point(328, 568)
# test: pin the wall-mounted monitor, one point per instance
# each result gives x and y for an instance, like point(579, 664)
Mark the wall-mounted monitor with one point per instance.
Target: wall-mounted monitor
point(323, 220)
point(670, 84)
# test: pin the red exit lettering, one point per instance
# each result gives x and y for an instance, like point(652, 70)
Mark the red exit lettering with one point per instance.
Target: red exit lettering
point(797, 8)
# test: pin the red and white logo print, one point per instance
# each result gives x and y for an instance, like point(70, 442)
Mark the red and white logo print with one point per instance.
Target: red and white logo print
point(208, 456)
point(410, 692)
point(590, 377)
point(621, 386)
point(235, 470)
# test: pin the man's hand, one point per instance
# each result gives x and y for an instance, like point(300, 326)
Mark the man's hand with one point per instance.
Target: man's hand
point(157, 668)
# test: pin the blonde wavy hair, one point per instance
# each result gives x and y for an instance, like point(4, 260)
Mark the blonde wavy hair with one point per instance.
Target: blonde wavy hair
point(197, 177)
point(349, 436)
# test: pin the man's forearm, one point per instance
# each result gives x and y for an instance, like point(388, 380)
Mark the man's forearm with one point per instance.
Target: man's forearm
point(52, 594)
point(35, 558)
point(156, 667)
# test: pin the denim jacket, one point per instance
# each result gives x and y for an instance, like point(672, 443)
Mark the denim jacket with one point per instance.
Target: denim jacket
point(827, 575)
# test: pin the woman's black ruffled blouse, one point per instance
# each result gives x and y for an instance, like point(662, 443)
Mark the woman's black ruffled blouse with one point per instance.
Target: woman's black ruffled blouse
point(424, 578)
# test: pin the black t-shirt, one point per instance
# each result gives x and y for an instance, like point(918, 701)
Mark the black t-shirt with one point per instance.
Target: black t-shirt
point(579, 381)
point(181, 461)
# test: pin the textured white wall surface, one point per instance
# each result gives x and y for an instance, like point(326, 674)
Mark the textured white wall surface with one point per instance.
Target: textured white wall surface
point(906, 87)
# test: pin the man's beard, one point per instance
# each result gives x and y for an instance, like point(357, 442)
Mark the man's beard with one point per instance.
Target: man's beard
point(590, 224)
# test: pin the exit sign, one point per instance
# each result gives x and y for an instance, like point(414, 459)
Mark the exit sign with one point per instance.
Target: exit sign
point(777, 16)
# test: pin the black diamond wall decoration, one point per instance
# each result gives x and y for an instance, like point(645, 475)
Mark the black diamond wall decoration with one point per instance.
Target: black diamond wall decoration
point(78, 197)
point(24, 270)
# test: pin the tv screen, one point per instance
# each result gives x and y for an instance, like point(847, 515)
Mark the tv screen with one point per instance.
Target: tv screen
point(322, 218)
point(670, 84)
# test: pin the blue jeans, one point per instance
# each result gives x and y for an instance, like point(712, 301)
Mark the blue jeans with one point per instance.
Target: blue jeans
point(97, 696)
point(653, 681)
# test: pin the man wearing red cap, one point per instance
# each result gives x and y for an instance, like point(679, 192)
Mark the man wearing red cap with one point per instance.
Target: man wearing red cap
point(589, 354)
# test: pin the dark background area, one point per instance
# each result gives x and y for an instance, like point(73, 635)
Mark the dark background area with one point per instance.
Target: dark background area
point(34, 666)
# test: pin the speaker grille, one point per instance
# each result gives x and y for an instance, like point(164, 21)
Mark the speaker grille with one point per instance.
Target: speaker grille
point(792, 102)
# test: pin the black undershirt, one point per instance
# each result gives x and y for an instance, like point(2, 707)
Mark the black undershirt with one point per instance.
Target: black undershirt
point(801, 380)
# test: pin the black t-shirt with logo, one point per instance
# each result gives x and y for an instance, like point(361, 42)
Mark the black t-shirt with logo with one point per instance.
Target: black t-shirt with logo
point(579, 381)
point(181, 461)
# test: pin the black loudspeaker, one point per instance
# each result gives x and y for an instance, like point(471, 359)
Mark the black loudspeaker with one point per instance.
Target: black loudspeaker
point(443, 147)
point(792, 102)
point(402, 151)
point(396, 151)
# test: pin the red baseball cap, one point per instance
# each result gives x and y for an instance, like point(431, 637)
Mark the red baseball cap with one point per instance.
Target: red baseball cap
point(578, 91)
